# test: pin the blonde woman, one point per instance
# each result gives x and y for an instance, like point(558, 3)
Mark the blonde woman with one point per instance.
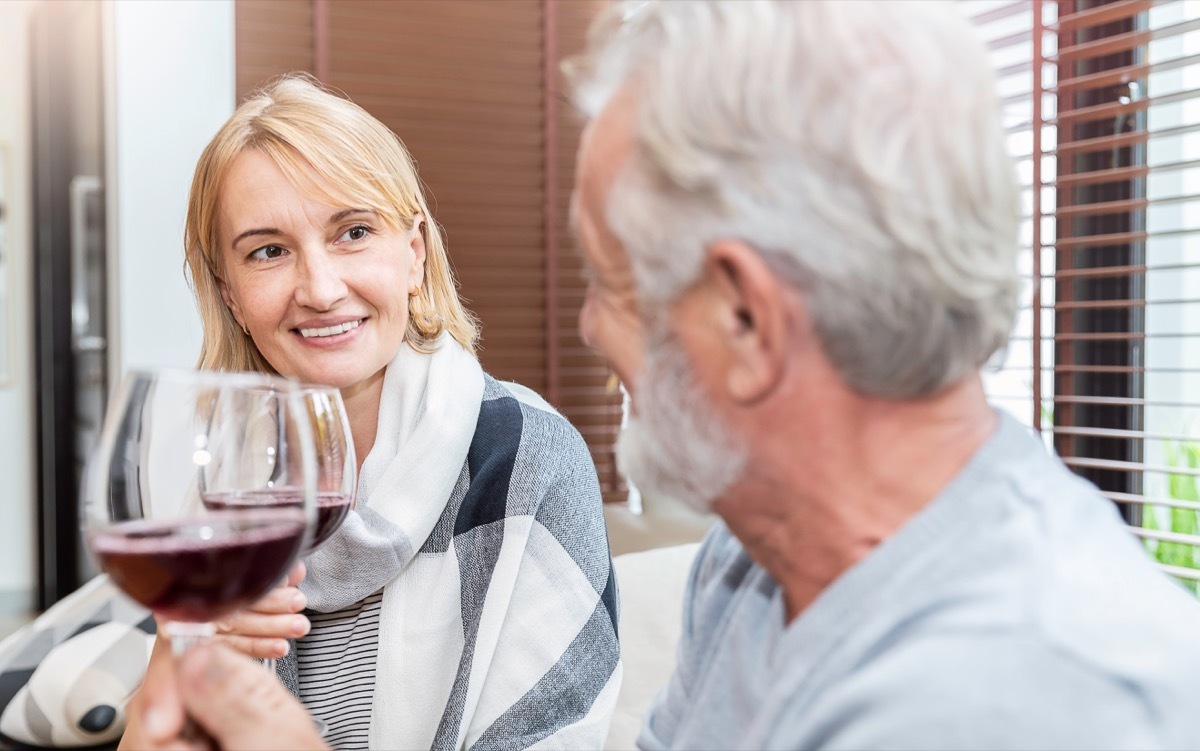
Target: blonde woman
point(468, 601)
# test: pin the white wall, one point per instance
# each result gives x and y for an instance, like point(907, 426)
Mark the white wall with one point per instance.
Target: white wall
point(18, 532)
point(172, 86)
point(169, 86)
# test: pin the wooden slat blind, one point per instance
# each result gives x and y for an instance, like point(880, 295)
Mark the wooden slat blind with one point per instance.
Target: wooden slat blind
point(271, 37)
point(461, 84)
point(587, 394)
point(1106, 122)
point(469, 87)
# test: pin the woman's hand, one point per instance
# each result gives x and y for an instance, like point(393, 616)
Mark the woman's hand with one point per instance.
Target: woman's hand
point(262, 630)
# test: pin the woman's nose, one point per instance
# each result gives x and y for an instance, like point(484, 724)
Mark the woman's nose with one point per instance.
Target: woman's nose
point(321, 285)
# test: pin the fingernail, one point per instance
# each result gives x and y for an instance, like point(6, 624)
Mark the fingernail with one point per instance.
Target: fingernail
point(281, 647)
point(299, 625)
point(299, 601)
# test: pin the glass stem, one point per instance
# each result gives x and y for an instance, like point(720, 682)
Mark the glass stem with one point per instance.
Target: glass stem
point(183, 636)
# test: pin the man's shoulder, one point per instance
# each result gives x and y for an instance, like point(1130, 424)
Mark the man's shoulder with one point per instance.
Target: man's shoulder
point(973, 689)
point(721, 560)
point(723, 577)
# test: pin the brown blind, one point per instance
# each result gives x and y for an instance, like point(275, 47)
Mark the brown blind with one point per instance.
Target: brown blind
point(1109, 108)
point(272, 37)
point(461, 84)
point(587, 394)
point(473, 89)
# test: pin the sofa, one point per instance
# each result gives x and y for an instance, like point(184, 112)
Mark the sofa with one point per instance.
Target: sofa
point(65, 676)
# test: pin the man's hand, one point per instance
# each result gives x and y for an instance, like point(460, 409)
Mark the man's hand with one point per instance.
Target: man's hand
point(238, 703)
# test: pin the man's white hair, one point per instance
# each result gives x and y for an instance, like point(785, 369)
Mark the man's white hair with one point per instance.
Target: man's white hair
point(856, 145)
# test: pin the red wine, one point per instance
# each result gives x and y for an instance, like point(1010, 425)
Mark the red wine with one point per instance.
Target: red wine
point(332, 507)
point(201, 569)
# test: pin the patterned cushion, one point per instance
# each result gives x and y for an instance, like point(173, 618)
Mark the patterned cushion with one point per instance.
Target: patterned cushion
point(66, 677)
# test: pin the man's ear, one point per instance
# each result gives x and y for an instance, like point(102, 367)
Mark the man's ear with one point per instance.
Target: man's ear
point(231, 303)
point(753, 314)
point(416, 272)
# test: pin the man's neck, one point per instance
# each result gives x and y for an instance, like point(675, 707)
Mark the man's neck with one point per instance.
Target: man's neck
point(853, 474)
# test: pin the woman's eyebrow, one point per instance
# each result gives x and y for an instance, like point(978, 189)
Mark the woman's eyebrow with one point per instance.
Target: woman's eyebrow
point(344, 213)
point(337, 217)
point(255, 232)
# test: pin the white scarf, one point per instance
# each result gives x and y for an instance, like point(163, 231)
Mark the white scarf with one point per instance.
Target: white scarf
point(499, 633)
point(427, 416)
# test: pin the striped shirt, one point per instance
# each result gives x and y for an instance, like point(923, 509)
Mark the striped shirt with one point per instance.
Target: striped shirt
point(336, 675)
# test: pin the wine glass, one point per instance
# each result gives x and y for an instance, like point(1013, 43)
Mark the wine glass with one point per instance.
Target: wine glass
point(337, 465)
point(168, 437)
point(337, 471)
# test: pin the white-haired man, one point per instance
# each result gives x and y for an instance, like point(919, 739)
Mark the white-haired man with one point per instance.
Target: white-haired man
point(802, 226)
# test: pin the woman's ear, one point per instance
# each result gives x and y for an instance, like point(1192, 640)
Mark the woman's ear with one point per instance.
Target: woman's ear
point(231, 303)
point(416, 269)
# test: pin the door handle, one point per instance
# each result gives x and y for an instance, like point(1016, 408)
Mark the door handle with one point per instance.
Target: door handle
point(82, 187)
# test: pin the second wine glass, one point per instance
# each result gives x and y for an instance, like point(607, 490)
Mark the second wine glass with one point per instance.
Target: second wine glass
point(224, 488)
point(336, 471)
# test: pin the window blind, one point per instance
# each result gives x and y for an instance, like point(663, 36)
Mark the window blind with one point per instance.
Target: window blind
point(271, 37)
point(473, 89)
point(587, 390)
point(1102, 105)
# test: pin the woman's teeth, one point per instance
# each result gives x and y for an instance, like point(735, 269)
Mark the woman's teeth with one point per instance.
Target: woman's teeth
point(330, 330)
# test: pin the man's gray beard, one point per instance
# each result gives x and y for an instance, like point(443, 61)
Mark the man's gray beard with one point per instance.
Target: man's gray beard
point(676, 446)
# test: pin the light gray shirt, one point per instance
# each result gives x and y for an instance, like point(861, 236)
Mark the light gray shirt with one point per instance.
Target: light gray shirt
point(1015, 611)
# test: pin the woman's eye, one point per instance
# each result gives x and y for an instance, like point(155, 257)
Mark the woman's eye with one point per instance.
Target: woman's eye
point(355, 233)
point(268, 252)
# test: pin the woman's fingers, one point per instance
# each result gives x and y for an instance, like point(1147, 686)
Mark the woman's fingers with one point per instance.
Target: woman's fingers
point(262, 648)
point(247, 623)
point(278, 600)
point(262, 630)
point(297, 574)
point(261, 636)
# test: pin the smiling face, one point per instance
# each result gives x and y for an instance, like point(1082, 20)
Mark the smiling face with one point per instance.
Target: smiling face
point(322, 289)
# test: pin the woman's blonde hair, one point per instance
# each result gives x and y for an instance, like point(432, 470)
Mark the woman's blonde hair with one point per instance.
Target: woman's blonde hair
point(336, 152)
